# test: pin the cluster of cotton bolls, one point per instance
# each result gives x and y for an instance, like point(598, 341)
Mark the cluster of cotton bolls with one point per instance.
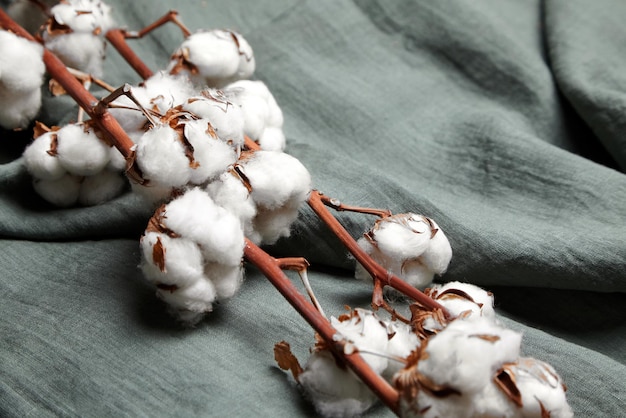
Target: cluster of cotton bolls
point(72, 164)
point(338, 392)
point(192, 251)
point(463, 365)
point(469, 365)
point(21, 77)
point(410, 246)
point(75, 33)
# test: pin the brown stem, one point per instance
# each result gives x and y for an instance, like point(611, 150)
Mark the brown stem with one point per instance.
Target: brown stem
point(117, 38)
point(75, 89)
point(270, 268)
point(316, 202)
point(171, 16)
point(339, 206)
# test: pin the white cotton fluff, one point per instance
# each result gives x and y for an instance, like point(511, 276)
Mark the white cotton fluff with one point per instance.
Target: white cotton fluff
point(21, 77)
point(540, 386)
point(263, 118)
point(225, 117)
point(226, 279)
point(84, 16)
point(338, 392)
point(410, 246)
point(176, 267)
point(80, 151)
point(466, 354)
point(62, 192)
point(157, 94)
point(117, 162)
point(160, 156)
point(40, 158)
point(280, 185)
point(195, 216)
point(75, 33)
point(182, 264)
point(101, 187)
point(213, 58)
point(334, 392)
point(230, 193)
point(452, 296)
point(212, 155)
point(402, 342)
point(81, 51)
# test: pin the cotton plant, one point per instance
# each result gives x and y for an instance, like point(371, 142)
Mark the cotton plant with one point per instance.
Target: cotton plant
point(29, 14)
point(206, 144)
point(75, 33)
point(21, 77)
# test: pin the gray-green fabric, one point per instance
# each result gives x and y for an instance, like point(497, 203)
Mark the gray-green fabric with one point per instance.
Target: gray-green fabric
point(502, 120)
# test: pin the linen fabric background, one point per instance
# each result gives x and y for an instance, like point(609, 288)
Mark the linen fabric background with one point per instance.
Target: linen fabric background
point(502, 120)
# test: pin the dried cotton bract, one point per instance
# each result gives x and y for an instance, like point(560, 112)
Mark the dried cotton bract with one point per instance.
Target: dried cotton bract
point(213, 58)
point(21, 77)
point(75, 33)
point(192, 251)
point(411, 246)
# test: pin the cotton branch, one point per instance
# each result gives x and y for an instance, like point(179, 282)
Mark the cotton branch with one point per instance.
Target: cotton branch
point(75, 89)
point(317, 201)
point(270, 267)
point(118, 37)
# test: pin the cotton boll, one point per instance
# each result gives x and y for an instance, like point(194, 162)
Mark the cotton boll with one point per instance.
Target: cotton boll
point(189, 304)
point(117, 162)
point(226, 279)
point(272, 139)
point(466, 354)
point(277, 178)
point(170, 261)
point(20, 108)
point(260, 111)
point(194, 215)
point(80, 151)
point(161, 157)
point(366, 332)
point(86, 16)
point(271, 225)
point(82, 51)
point(213, 58)
point(40, 158)
point(334, 392)
point(541, 389)
point(401, 343)
point(212, 156)
point(230, 193)
point(225, 117)
point(21, 76)
point(62, 192)
point(21, 63)
point(101, 187)
point(439, 253)
point(410, 246)
point(459, 298)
